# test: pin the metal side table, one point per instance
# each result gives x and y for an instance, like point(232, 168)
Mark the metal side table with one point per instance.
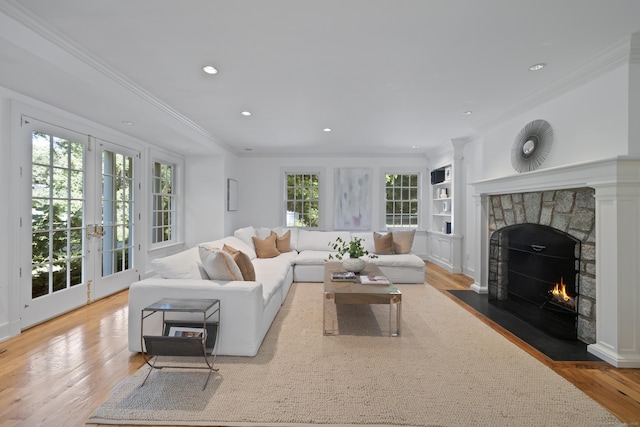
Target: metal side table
point(182, 337)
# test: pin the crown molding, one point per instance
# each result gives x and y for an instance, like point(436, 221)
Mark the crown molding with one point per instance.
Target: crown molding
point(603, 63)
point(19, 13)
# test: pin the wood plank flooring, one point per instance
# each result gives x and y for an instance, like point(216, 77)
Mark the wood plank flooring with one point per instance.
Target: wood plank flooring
point(59, 372)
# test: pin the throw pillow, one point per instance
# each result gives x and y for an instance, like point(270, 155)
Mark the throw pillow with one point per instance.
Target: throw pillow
point(218, 264)
point(403, 241)
point(266, 248)
point(283, 243)
point(243, 261)
point(383, 243)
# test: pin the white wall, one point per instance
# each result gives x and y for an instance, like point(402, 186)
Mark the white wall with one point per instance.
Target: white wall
point(589, 123)
point(261, 198)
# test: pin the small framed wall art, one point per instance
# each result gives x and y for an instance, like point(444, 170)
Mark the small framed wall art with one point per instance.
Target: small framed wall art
point(232, 195)
point(447, 174)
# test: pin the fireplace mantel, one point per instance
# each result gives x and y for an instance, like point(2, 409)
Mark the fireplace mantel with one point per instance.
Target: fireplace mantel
point(617, 192)
point(589, 174)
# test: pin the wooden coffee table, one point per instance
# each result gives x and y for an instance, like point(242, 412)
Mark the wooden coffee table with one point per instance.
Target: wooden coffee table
point(357, 293)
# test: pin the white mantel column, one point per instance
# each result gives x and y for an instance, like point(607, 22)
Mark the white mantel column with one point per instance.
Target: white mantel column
point(481, 252)
point(617, 274)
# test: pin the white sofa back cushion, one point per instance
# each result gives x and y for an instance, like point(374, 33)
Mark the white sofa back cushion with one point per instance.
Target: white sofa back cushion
point(311, 240)
point(183, 265)
point(245, 234)
point(367, 240)
point(235, 243)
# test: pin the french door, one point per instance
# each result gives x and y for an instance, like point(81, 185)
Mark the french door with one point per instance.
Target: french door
point(82, 224)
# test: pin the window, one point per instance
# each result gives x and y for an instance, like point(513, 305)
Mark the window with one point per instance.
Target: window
point(402, 200)
point(302, 199)
point(163, 203)
point(117, 212)
point(57, 204)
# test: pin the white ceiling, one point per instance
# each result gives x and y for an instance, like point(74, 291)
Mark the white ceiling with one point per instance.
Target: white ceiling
point(384, 75)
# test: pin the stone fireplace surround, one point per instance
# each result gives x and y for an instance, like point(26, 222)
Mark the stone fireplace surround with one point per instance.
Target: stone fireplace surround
point(616, 183)
point(571, 211)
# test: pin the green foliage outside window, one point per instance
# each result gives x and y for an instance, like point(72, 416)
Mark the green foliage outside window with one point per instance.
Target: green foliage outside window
point(302, 200)
point(56, 214)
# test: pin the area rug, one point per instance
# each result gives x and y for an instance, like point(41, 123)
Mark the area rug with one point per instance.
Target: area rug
point(447, 369)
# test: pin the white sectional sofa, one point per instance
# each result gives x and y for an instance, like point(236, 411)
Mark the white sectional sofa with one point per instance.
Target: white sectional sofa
point(249, 307)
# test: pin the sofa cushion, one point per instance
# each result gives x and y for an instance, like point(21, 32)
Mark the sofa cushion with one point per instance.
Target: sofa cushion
point(396, 260)
point(271, 272)
point(367, 240)
point(319, 240)
point(283, 243)
point(313, 257)
point(183, 265)
point(383, 243)
point(219, 264)
point(266, 248)
point(246, 234)
point(235, 243)
point(263, 232)
point(243, 261)
point(403, 241)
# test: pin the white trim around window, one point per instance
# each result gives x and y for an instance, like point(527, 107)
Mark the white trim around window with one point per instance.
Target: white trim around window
point(322, 199)
point(421, 189)
point(177, 229)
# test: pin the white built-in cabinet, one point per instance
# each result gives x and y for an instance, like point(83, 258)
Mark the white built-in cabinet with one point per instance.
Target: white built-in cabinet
point(444, 243)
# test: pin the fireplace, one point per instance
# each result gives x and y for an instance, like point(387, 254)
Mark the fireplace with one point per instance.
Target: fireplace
point(564, 220)
point(534, 273)
point(594, 200)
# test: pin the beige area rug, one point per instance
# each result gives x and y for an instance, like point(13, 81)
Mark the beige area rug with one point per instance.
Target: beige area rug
point(447, 369)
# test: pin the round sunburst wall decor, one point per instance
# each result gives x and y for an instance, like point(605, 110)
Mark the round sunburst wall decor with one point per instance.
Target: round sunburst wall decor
point(531, 146)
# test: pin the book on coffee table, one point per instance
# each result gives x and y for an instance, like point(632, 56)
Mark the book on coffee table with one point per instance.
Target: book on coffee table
point(343, 276)
point(374, 280)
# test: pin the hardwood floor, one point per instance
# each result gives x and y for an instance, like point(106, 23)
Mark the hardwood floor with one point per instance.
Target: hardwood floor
point(58, 373)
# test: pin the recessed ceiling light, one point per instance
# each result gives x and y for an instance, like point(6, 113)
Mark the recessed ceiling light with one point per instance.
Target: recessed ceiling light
point(210, 69)
point(415, 147)
point(537, 67)
point(246, 113)
point(467, 113)
point(327, 129)
point(127, 123)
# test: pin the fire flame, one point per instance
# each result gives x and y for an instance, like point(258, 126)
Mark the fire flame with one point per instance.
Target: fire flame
point(559, 293)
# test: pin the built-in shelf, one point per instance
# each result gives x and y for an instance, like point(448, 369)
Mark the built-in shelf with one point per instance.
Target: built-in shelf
point(443, 242)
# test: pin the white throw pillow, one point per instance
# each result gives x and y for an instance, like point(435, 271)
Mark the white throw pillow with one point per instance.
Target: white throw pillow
point(218, 264)
point(183, 265)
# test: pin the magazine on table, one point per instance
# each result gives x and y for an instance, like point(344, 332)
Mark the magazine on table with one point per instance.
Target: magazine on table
point(374, 280)
point(343, 276)
point(183, 331)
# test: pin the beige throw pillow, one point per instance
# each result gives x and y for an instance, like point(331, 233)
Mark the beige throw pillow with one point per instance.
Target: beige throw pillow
point(218, 264)
point(283, 243)
point(243, 261)
point(403, 241)
point(266, 248)
point(383, 243)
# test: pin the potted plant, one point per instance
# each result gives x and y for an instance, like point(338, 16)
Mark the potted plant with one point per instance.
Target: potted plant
point(354, 249)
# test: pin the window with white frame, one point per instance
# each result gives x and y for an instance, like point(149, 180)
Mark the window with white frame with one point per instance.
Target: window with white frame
point(402, 200)
point(163, 202)
point(302, 199)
